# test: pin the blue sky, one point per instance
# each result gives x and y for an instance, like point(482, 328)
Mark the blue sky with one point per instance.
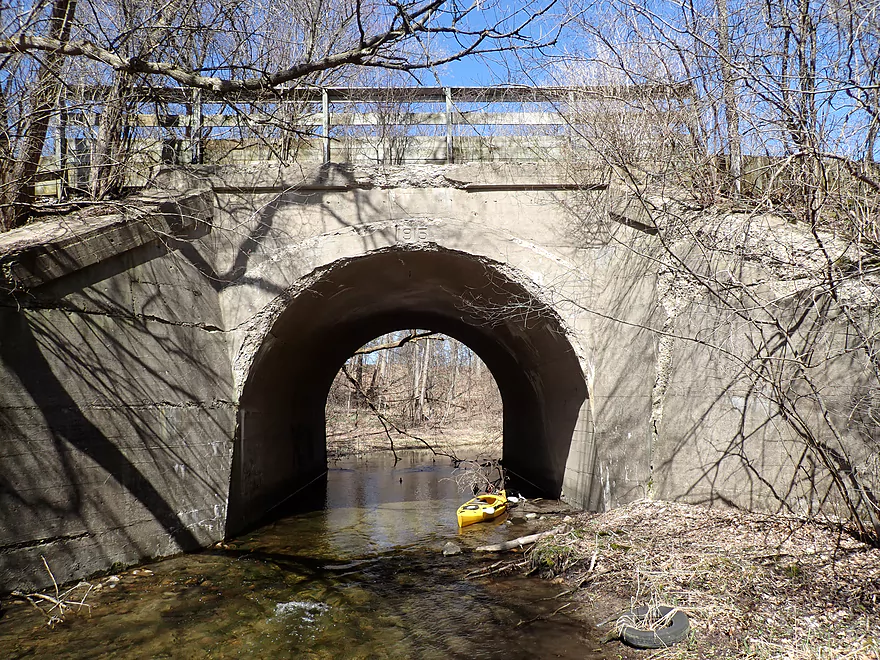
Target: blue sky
point(498, 67)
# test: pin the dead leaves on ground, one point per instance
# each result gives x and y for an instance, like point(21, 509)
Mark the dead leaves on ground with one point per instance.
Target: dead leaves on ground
point(755, 585)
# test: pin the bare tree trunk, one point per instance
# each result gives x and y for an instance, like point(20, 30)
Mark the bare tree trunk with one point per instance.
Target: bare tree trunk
point(424, 381)
point(381, 381)
point(375, 379)
point(416, 373)
point(472, 375)
point(806, 46)
point(5, 155)
point(42, 103)
point(871, 137)
point(359, 380)
point(6, 158)
point(106, 167)
point(812, 167)
point(450, 394)
point(728, 94)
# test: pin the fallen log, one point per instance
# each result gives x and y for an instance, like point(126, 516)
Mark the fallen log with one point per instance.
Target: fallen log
point(516, 543)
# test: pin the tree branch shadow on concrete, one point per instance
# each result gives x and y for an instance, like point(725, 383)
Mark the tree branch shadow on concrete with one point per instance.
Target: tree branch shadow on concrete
point(781, 423)
point(110, 358)
point(254, 231)
point(71, 431)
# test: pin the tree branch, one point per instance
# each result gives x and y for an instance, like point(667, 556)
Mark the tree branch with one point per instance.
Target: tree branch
point(400, 342)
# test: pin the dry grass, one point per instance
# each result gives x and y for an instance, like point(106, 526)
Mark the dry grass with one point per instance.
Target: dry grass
point(651, 620)
point(755, 586)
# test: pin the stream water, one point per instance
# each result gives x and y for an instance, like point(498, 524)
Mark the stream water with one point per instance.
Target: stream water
point(363, 577)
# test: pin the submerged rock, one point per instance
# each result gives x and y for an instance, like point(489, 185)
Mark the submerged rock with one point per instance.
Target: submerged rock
point(451, 549)
point(307, 610)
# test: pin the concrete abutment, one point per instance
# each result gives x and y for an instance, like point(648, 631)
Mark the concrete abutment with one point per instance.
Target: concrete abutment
point(189, 341)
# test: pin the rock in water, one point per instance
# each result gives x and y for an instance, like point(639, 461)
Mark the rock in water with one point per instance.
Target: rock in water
point(451, 549)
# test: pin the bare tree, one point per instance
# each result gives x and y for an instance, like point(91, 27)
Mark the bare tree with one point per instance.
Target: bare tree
point(728, 95)
point(791, 85)
point(39, 108)
point(408, 381)
point(223, 48)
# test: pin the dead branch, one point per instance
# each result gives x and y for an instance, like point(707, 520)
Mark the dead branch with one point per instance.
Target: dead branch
point(498, 568)
point(60, 602)
point(399, 343)
point(518, 542)
point(389, 424)
point(543, 616)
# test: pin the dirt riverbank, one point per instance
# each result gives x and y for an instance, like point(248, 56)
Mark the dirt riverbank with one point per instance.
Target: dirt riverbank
point(755, 586)
point(370, 436)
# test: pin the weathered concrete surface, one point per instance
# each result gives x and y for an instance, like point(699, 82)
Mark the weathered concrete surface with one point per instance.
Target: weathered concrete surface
point(116, 402)
point(375, 249)
point(164, 372)
point(54, 248)
point(741, 423)
point(236, 324)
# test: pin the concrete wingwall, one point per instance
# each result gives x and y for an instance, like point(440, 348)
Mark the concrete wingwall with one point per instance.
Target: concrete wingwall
point(770, 395)
point(116, 398)
point(164, 369)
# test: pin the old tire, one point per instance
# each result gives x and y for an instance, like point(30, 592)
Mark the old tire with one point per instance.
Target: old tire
point(677, 630)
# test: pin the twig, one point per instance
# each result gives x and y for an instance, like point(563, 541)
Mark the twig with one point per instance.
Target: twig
point(59, 601)
point(415, 336)
point(543, 616)
point(386, 423)
point(49, 571)
point(502, 566)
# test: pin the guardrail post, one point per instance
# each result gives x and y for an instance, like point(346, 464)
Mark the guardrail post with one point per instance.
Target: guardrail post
point(450, 146)
point(325, 109)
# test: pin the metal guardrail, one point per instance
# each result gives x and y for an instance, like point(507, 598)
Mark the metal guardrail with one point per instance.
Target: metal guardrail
point(183, 120)
point(491, 94)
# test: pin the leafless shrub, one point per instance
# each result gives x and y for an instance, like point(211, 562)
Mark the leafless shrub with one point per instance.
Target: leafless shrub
point(752, 168)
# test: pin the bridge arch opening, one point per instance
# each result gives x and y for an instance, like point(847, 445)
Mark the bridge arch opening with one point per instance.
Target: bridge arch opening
point(280, 443)
point(414, 389)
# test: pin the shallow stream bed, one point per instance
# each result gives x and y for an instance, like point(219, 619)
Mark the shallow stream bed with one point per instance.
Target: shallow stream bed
point(362, 577)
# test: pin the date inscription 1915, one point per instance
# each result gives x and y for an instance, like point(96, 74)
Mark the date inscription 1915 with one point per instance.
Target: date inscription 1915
point(412, 233)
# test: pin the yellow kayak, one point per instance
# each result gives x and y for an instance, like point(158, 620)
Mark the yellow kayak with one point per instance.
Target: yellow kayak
point(483, 507)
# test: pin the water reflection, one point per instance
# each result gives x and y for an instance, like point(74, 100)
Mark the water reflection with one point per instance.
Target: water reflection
point(361, 578)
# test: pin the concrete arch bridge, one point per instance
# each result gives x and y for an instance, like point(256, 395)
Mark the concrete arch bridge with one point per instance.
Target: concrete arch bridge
point(165, 364)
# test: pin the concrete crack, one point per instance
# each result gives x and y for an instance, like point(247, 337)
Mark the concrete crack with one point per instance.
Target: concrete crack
point(127, 316)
